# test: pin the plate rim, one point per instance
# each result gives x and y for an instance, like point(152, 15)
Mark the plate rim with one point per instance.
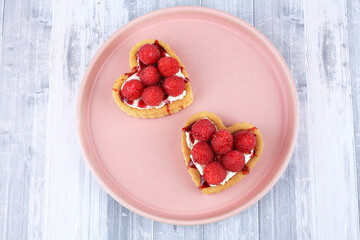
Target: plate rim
point(204, 10)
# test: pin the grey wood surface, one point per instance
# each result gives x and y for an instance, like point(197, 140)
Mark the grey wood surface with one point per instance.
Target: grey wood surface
point(48, 192)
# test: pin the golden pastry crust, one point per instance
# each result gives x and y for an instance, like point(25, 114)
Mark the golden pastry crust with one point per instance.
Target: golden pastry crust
point(195, 175)
point(168, 109)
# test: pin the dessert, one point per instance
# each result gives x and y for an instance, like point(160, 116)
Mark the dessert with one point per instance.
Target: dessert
point(216, 156)
point(157, 85)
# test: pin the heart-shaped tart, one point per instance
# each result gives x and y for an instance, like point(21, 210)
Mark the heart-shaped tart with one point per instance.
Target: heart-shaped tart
point(157, 85)
point(216, 156)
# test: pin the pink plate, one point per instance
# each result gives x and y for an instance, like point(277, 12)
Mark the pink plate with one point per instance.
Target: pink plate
point(235, 72)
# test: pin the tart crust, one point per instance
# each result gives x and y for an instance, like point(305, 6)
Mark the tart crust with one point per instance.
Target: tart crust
point(167, 109)
point(195, 175)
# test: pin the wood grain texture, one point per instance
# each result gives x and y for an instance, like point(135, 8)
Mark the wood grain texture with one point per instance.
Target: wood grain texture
point(119, 219)
point(283, 23)
point(48, 192)
point(334, 206)
point(2, 15)
point(75, 205)
point(26, 28)
point(353, 30)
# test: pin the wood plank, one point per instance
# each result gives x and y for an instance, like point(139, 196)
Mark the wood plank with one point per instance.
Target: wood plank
point(26, 28)
point(353, 31)
point(299, 163)
point(119, 219)
point(334, 206)
point(241, 226)
point(2, 15)
point(244, 225)
point(284, 212)
point(167, 3)
point(140, 227)
point(121, 222)
point(167, 231)
point(117, 15)
point(241, 9)
point(75, 205)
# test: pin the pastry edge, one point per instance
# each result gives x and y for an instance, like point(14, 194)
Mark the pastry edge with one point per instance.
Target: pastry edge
point(195, 175)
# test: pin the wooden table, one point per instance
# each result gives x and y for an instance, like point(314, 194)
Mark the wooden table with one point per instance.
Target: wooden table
point(48, 192)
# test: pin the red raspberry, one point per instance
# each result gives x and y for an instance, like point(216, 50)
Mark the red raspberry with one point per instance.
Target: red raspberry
point(222, 142)
point(149, 54)
point(203, 130)
point(244, 141)
point(202, 153)
point(214, 173)
point(149, 75)
point(132, 90)
point(219, 158)
point(153, 95)
point(234, 161)
point(168, 66)
point(174, 86)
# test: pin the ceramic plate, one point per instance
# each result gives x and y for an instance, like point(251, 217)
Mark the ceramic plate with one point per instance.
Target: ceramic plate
point(235, 72)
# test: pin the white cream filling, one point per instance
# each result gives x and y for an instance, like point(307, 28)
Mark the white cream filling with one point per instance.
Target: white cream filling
point(200, 167)
point(169, 100)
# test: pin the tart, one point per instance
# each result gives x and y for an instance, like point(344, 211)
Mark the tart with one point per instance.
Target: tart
point(157, 85)
point(216, 156)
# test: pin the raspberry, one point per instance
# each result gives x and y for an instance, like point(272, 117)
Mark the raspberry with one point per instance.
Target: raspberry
point(174, 86)
point(203, 130)
point(219, 158)
point(214, 173)
point(234, 161)
point(132, 90)
point(149, 76)
point(168, 66)
point(244, 141)
point(153, 95)
point(202, 153)
point(222, 142)
point(149, 54)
